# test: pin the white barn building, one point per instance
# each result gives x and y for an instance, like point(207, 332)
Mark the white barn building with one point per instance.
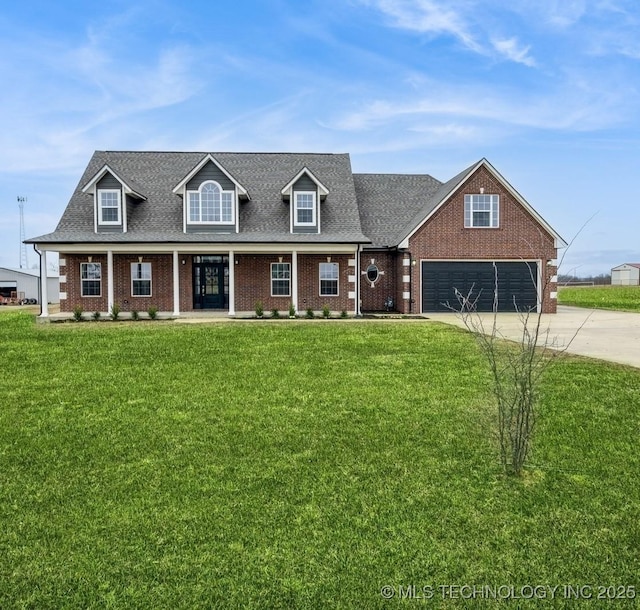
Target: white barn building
point(627, 274)
point(25, 285)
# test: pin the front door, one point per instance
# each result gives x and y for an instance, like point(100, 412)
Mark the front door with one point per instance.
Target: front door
point(210, 282)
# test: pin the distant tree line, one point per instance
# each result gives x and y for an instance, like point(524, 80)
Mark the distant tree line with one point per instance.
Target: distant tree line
point(597, 280)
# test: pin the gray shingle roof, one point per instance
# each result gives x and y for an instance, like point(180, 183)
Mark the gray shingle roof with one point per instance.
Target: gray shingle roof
point(393, 205)
point(389, 202)
point(379, 210)
point(265, 218)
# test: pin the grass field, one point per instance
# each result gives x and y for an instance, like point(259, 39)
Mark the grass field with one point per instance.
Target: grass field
point(622, 298)
point(300, 465)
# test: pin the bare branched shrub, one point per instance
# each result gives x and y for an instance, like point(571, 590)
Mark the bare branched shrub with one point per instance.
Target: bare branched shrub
point(516, 366)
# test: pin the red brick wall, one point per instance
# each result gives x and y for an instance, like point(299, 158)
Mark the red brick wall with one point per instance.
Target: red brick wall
point(253, 283)
point(161, 283)
point(388, 285)
point(519, 236)
point(186, 282)
point(309, 283)
point(72, 286)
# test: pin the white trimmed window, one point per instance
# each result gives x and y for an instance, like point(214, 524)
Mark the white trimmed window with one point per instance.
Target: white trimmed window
point(280, 279)
point(141, 279)
point(305, 212)
point(329, 273)
point(90, 279)
point(109, 211)
point(481, 211)
point(210, 205)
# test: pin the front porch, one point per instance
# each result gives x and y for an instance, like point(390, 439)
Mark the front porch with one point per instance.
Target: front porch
point(210, 281)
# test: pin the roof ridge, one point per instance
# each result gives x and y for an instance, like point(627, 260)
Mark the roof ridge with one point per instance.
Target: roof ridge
point(218, 152)
point(412, 175)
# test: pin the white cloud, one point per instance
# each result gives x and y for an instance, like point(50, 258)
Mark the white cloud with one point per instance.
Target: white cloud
point(562, 13)
point(427, 17)
point(462, 20)
point(577, 105)
point(511, 50)
point(68, 94)
point(558, 14)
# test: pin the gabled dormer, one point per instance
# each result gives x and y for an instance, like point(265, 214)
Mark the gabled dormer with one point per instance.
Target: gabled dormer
point(304, 194)
point(211, 198)
point(111, 194)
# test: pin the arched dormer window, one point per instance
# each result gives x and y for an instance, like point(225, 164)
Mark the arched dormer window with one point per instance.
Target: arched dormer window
point(210, 204)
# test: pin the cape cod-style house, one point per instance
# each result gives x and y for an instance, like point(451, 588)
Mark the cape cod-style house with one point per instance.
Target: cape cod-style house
point(189, 231)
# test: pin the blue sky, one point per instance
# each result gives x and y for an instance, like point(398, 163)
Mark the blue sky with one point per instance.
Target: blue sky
point(547, 90)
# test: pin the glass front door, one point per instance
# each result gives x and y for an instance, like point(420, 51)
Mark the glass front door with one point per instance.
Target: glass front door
point(210, 282)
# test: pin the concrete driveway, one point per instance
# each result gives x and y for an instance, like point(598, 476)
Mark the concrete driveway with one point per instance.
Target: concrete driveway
point(608, 335)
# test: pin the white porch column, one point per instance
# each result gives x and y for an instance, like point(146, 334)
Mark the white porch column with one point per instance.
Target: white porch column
point(176, 284)
point(44, 297)
point(294, 279)
point(110, 288)
point(232, 283)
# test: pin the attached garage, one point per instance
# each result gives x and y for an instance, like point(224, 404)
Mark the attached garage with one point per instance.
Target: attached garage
point(517, 284)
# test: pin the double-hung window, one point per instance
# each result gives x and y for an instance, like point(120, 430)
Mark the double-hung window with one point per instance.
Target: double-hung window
point(305, 212)
point(210, 204)
point(481, 211)
point(90, 279)
point(141, 279)
point(280, 279)
point(109, 211)
point(328, 279)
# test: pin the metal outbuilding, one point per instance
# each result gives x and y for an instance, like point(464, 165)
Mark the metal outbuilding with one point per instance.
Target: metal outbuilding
point(627, 274)
point(23, 285)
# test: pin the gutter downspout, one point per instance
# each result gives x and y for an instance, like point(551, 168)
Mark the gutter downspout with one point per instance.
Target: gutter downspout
point(410, 281)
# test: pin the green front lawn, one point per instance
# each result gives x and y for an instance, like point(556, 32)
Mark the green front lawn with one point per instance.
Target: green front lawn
point(298, 465)
point(623, 298)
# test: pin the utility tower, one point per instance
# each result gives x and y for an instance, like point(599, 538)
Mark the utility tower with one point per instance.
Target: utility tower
point(24, 263)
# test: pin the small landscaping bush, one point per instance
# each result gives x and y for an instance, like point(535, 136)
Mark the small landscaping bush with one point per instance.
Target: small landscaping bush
point(326, 312)
point(309, 315)
point(96, 315)
point(114, 312)
point(292, 310)
point(152, 312)
point(259, 309)
point(77, 313)
point(135, 315)
point(275, 313)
